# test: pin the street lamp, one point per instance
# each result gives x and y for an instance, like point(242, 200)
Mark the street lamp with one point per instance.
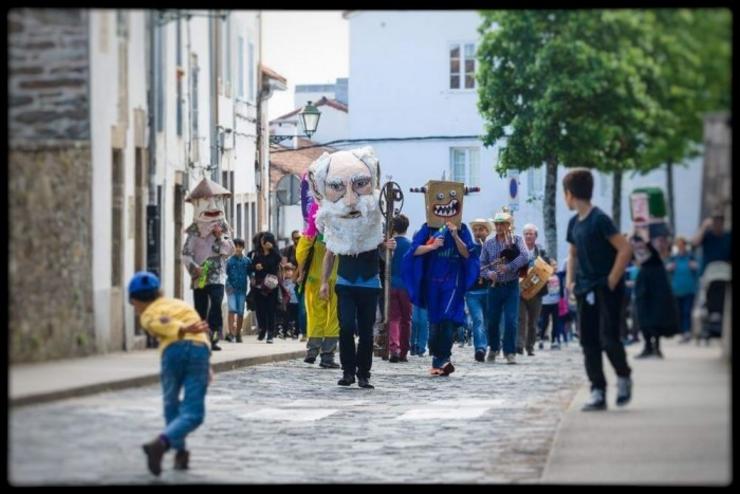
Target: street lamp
point(309, 116)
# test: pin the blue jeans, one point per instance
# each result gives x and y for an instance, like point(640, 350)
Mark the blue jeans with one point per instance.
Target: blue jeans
point(503, 298)
point(477, 307)
point(685, 304)
point(440, 342)
point(237, 301)
point(419, 330)
point(185, 366)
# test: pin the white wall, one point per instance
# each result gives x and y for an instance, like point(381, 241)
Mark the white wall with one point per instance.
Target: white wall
point(399, 87)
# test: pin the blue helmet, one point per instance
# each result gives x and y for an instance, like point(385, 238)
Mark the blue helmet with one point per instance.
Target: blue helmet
point(143, 281)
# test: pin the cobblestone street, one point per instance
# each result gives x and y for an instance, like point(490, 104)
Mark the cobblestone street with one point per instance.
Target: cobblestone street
point(289, 422)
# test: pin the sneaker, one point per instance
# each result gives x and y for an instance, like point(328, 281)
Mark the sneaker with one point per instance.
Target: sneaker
point(155, 451)
point(329, 365)
point(309, 360)
point(261, 337)
point(491, 356)
point(624, 390)
point(480, 356)
point(530, 352)
point(510, 358)
point(215, 347)
point(269, 339)
point(238, 338)
point(596, 402)
point(542, 346)
point(230, 338)
point(182, 458)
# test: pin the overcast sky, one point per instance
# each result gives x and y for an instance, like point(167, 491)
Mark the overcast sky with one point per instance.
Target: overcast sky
point(306, 47)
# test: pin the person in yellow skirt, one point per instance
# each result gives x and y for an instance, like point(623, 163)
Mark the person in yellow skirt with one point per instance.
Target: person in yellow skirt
point(322, 323)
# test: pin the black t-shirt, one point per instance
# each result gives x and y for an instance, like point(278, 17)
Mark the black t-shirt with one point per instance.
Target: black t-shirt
point(270, 265)
point(595, 254)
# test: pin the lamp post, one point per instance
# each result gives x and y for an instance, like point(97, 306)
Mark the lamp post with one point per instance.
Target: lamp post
point(309, 117)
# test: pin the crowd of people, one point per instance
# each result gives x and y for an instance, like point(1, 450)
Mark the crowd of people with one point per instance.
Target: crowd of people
point(448, 281)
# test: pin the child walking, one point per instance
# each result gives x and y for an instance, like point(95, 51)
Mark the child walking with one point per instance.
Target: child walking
point(290, 323)
point(237, 282)
point(602, 254)
point(185, 350)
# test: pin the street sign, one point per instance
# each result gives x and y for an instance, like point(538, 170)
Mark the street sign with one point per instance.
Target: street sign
point(514, 192)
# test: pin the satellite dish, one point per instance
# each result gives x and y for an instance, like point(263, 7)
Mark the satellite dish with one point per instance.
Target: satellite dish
point(288, 190)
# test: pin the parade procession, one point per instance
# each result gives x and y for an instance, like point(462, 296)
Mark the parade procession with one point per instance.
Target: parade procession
point(298, 247)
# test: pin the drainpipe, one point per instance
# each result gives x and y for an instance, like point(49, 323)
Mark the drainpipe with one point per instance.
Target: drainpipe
point(213, 32)
point(153, 63)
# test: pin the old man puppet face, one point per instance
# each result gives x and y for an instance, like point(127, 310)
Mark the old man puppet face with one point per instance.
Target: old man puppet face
point(346, 183)
point(444, 202)
point(208, 200)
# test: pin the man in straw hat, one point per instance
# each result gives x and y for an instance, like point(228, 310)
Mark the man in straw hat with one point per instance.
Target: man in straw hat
point(501, 259)
point(476, 297)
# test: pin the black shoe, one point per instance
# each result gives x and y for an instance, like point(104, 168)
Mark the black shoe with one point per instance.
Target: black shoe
point(520, 351)
point(530, 353)
point(624, 390)
point(261, 337)
point(480, 355)
point(182, 458)
point(346, 380)
point(394, 359)
point(329, 365)
point(155, 451)
point(238, 338)
point(596, 402)
point(658, 353)
point(364, 382)
point(645, 354)
point(230, 338)
point(309, 360)
point(215, 347)
point(403, 359)
point(269, 339)
point(448, 369)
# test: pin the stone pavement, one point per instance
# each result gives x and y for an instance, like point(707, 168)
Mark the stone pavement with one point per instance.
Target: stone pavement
point(48, 381)
point(289, 422)
point(676, 431)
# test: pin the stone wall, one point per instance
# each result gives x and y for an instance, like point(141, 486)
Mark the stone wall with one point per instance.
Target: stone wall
point(50, 252)
point(48, 72)
point(50, 185)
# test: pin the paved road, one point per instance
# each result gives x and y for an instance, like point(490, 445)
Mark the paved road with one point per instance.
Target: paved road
point(289, 422)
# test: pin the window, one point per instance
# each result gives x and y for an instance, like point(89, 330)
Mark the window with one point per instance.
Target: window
point(465, 166)
point(534, 181)
point(462, 66)
point(240, 65)
point(250, 62)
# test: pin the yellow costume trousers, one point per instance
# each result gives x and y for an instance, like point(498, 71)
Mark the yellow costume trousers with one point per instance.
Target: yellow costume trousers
point(321, 315)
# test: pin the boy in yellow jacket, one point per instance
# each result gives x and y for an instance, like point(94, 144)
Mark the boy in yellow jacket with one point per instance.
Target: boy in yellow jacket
point(185, 350)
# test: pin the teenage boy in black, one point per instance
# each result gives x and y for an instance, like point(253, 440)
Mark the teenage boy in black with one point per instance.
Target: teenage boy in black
point(596, 262)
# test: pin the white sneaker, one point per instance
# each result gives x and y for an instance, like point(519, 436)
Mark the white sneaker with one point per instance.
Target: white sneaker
point(491, 356)
point(624, 390)
point(510, 358)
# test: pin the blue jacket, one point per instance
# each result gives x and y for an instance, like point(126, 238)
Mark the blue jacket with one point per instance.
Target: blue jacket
point(237, 273)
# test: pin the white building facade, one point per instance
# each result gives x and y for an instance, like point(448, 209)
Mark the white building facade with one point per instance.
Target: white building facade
point(412, 76)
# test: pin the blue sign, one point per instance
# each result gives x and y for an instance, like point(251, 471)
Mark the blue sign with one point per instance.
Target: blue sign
point(513, 187)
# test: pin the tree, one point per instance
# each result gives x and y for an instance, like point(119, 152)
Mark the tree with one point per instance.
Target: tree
point(569, 88)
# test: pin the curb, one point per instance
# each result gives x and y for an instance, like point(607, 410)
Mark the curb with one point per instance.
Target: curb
point(144, 380)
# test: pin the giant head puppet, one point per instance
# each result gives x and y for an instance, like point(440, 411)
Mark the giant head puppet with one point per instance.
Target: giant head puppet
point(208, 199)
point(346, 184)
point(444, 201)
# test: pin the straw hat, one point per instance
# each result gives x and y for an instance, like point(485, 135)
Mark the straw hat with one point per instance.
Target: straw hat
point(502, 217)
point(483, 222)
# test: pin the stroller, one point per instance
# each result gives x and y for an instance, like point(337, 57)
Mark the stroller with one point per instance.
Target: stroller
point(709, 308)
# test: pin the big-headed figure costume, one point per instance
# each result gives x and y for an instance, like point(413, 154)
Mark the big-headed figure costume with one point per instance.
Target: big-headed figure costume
point(437, 280)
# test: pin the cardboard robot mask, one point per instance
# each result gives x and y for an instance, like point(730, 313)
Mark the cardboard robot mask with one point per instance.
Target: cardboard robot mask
point(444, 202)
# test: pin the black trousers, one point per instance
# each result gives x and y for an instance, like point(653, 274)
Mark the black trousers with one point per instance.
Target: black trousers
point(356, 310)
point(208, 305)
point(266, 311)
point(599, 330)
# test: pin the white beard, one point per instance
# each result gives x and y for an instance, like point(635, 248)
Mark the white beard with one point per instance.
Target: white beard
point(351, 236)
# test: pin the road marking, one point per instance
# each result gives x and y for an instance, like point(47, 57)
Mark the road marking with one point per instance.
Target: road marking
point(292, 415)
point(443, 413)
